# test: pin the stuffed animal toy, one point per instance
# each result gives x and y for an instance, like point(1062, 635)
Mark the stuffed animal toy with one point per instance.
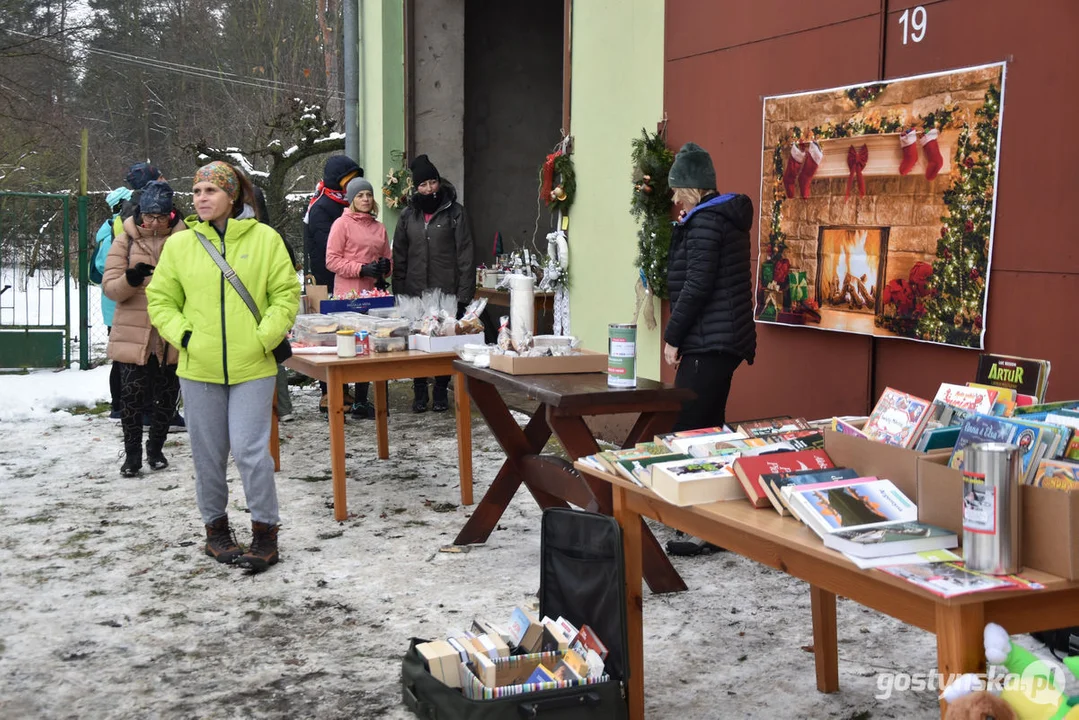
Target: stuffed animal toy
point(1032, 690)
point(980, 706)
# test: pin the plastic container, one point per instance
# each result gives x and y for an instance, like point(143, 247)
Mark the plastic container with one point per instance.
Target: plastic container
point(354, 321)
point(316, 330)
point(388, 344)
point(392, 328)
point(346, 343)
point(383, 313)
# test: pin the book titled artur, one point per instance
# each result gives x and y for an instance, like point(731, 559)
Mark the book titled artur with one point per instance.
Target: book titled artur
point(897, 418)
point(748, 470)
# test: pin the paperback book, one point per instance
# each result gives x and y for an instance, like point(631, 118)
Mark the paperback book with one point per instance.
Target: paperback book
point(895, 539)
point(951, 579)
point(668, 438)
point(964, 397)
point(1024, 375)
point(897, 418)
point(922, 558)
point(696, 481)
point(639, 471)
point(859, 504)
point(1057, 474)
point(773, 483)
point(984, 428)
point(749, 470)
point(769, 426)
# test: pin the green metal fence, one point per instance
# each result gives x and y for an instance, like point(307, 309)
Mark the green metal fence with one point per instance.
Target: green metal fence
point(44, 298)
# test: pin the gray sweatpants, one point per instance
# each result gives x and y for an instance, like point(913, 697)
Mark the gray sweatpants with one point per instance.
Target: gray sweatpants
point(220, 417)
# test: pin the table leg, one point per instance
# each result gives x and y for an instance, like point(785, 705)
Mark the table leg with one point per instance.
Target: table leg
point(648, 425)
point(960, 642)
point(337, 442)
point(381, 420)
point(275, 437)
point(825, 639)
point(632, 523)
point(463, 410)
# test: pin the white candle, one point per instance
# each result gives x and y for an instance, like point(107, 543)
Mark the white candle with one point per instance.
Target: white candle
point(522, 306)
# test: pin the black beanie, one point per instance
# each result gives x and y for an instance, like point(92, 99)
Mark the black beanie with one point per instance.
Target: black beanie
point(692, 168)
point(156, 198)
point(422, 170)
point(140, 174)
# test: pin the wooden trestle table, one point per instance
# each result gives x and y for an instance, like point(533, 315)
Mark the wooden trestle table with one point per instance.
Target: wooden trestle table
point(377, 368)
point(565, 400)
point(785, 544)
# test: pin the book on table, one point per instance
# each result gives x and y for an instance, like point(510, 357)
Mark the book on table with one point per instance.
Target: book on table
point(844, 505)
point(696, 481)
point(610, 458)
point(639, 470)
point(968, 398)
point(846, 428)
point(668, 438)
point(773, 483)
point(893, 539)
point(1033, 440)
point(749, 470)
point(951, 579)
point(769, 426)
point(1026, 376)
point(686, 444)
point(897, 418)
point(1057, 474)
point(919, 558)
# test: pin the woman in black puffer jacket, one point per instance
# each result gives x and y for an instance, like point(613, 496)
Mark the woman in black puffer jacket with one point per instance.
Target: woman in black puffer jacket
point(711, 328)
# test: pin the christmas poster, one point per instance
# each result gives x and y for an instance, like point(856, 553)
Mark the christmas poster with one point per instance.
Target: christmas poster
point(877, 207)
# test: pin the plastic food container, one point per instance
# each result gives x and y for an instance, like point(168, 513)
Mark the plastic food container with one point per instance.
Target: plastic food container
point(383, 313)
point(388, 344)
point(469, 352)
point(354, 321)
point(315, 330)
point(392, 328)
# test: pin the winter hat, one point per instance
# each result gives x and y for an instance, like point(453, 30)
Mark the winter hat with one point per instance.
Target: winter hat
point(692, 168)
point(337, 168)
point(140, 174)
point(422, 170)
point(116, 197)
point(156, 198)
point(355, 185)
point(220, 174)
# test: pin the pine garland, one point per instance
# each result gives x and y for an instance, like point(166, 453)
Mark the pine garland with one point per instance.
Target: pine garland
point(397, 187)
point(651, 206)
point(565, 188)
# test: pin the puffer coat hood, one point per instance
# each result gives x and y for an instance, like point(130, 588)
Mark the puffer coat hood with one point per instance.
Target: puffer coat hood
point(336, 168)
point(711, 281)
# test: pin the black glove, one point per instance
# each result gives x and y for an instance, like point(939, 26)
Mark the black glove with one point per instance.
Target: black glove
point(384, 266)
point(461, 307)
point(370, 270)
point(136, 274)
point(381, 284)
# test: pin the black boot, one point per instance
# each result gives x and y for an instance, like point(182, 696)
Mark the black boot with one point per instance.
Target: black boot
point(440, 401)
point(154, 457)
point(159, 431)
point(419, 394)
point(132, 446)
point(263, 551)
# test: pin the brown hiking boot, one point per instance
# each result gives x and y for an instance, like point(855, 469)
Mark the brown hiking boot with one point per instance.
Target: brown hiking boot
point(221, 543)
point(263, 551)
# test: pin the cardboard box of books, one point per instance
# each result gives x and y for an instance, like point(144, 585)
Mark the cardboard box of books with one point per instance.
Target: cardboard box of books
point(486, 679)
point(586, 361)
point(877, 459)
point(1049, 521)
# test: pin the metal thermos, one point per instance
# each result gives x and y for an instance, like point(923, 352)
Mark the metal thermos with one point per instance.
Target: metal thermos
point(992, 473)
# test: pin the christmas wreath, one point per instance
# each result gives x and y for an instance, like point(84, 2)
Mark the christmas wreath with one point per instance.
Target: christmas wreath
point(651, 206)
point(558, 196)
point(397, 187)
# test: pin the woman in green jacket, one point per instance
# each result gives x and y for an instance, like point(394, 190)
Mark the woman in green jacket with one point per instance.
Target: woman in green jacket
point(227, 370)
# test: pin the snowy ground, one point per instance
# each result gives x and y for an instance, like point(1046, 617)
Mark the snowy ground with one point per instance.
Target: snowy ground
point(109, 609)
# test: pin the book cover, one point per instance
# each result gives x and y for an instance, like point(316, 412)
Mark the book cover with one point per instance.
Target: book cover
point(553, 639)
point(897, 418)
point(696, 481)
point(640, 469)
point(844, 427)
point(937, 438)
point(711, 449)
point(951, 579)
point(921, 558)
point(769, 426)
point(1071, 451)
point(685, 444)
point(811, 440)
point(1024, 375)
point(525, 630)
point(611, 458)
point(587, 639)
point(1057, 475)
point(667, 438)
point(775, 482)
point(748, 470)
point(851, 505)
point(572, 667)
point(540, 675)
point(897, 539)
point(985, 428)
point(1005, 403)
point(964, 397)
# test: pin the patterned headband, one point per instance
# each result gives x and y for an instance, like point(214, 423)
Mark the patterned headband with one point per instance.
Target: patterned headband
point(221, 175)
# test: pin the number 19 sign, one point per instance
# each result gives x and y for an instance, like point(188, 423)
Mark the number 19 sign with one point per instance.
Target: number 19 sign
point(914, 21)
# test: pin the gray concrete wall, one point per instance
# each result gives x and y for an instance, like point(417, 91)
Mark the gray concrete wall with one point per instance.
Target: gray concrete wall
point(513, 113)
point(439, 86)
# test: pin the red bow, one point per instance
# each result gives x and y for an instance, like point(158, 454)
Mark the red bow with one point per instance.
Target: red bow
point(856, 160)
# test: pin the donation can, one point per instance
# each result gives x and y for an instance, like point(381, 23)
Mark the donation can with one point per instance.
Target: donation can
point(991, 507)
point(622, 355)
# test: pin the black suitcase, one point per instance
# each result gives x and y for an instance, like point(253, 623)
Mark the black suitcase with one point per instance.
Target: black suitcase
point(583, 578)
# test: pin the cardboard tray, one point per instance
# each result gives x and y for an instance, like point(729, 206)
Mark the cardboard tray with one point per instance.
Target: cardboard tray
point(587, 362)
point(1049, 519)
point(869, 457)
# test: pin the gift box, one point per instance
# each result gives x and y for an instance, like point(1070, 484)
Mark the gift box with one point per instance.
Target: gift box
point(767, 272)
point(799, 288)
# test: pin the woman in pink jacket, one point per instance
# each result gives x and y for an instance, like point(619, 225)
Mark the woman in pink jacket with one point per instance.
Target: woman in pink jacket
point(358, 253)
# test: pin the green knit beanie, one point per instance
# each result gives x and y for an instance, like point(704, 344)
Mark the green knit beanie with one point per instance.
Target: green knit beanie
point(692, 168)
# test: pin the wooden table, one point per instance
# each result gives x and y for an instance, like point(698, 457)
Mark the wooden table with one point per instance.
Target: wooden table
point(543, 302)
point(376, 369)
point(565, 400)
point(785, 544)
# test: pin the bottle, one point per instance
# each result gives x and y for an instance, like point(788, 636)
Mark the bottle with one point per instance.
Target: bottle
point(346, 344)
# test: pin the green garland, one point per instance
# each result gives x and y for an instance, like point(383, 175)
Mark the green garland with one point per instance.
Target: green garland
point(567, 180)
point(865, 94)
point(397, 187)
point(651, 206)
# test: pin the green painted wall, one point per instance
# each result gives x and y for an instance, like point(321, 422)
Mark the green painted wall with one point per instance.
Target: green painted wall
point(617, 90)
point(382, 93)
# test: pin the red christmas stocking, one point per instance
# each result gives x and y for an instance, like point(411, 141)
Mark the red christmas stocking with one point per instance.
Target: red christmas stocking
point(809, 169)
point(934, 161)
point(794, 164)
point(856, 160)
point(910, 152)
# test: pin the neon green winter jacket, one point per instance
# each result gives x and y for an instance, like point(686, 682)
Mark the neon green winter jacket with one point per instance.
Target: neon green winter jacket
point(188, 292)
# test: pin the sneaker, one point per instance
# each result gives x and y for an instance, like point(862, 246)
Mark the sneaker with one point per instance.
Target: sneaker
point(177, 425)
point(363, 411)
point(287, 417)
point(687, 546)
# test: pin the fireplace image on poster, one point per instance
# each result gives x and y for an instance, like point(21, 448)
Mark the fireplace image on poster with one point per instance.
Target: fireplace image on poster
point(877, 206)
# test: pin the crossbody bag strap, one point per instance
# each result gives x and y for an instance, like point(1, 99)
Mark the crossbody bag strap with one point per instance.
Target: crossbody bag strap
point(231, 276)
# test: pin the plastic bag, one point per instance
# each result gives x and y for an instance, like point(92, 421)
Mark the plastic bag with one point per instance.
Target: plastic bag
point(470, 322)
point(504, 341)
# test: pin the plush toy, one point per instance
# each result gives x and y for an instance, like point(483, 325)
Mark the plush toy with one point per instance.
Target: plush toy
point(1031, 689)
point(980, 706)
